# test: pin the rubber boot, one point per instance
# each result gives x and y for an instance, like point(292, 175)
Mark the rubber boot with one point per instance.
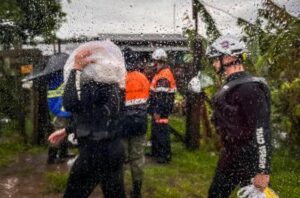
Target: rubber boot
point(136, 190)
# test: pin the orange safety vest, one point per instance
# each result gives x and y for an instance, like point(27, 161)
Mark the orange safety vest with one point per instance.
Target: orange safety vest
point(164, 74)
point(137, 89)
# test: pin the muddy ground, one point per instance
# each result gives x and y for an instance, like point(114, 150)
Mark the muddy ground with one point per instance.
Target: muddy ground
point(25, 177)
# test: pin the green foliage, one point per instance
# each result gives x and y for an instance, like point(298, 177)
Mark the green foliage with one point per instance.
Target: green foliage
point(287, 108)
point(40, 17)
point(212, 31)
point(22, 20)
point(283, 54)
point(275, 53)
point(277, 17)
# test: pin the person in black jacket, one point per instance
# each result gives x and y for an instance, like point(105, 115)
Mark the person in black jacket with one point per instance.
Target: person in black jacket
point(96, 108)
point(242, 119)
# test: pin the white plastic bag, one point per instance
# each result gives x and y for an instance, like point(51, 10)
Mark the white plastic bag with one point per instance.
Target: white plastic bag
point(109, 66)
point(195, 85)
point(252, 192)
point(199, 82)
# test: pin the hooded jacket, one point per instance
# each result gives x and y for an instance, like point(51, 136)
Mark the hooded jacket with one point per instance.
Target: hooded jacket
point(96, 108)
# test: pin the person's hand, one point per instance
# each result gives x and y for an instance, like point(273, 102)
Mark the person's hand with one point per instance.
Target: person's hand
point(82, 59)
point(57, 136)
point(156, 117)
point(261, 181)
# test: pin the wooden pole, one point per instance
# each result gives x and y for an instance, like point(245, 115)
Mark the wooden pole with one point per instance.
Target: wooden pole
point(194, 99)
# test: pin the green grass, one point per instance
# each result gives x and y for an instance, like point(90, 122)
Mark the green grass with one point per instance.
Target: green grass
point(11, 145)
point(55, 182)
point(286, 175)
point(34, 150)
point(8, 151)
point(190, 173)
point(178, 123)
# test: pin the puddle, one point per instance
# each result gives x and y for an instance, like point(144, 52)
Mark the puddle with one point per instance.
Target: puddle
point(25, 177)
point(8, 186)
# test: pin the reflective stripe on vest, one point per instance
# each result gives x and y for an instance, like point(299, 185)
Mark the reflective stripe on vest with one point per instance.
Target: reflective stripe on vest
point(162, 121)
point(164, 74)
point(58, 92)
point(137, 89)
point(135, 102)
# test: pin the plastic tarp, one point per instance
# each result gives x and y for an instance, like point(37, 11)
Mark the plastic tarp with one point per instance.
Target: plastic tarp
point(108, 66)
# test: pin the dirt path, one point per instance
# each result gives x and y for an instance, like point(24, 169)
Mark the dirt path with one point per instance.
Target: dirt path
point(24, 178)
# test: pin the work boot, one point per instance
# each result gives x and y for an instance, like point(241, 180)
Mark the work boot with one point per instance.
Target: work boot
point(136, 190)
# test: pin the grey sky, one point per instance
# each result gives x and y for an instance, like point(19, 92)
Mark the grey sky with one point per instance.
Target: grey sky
point(92, 17)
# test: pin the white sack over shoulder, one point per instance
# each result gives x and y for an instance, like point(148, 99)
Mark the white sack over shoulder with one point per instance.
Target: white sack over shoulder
point(109, 66)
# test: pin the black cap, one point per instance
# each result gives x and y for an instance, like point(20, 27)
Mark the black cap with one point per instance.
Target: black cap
point(131, 58)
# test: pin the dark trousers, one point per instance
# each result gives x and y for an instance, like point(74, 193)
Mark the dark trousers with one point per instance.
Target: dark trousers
point(160, 140)
point(233, 170)
point(58, 152)
point(98, 163)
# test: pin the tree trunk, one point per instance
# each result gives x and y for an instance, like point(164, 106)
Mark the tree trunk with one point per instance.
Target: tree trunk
point(205, 118)
point(193, 121)
point(42, 125)
point(194, 102)
point(22, 120)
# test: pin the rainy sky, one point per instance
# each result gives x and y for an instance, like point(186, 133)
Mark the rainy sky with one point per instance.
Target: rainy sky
point(93, 17)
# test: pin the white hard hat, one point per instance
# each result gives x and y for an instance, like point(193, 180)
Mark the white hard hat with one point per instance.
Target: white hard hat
point(226, 45)
point(159, 54)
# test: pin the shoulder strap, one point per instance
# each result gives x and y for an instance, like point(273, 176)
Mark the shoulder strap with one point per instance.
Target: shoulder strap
point(228, 86)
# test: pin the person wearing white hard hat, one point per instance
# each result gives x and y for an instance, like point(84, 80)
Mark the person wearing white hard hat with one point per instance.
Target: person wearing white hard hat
point(162, 92)
point(96, 101)
point(242, 119)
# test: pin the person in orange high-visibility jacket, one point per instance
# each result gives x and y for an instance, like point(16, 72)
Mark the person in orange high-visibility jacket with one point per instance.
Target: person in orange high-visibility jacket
point(135, 119)
point(162, 90)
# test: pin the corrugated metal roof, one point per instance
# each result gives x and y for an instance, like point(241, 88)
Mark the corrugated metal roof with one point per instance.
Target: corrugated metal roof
point(178, 42)
point(167, 48)
point(136, 37)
